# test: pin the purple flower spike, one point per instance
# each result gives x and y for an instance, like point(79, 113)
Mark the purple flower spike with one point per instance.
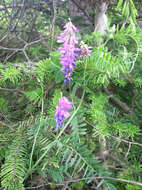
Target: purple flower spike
point(69, 51)
point(61, 112)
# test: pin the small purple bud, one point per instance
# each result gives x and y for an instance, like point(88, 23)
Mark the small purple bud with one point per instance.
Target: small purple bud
point(87, 22)
point(85, 49)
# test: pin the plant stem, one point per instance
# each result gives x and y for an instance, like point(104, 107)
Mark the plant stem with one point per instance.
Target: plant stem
point(36, 135)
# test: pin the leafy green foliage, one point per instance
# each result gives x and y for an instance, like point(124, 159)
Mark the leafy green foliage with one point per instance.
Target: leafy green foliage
point(100, 139)
point(35, 95)
point(10, 75)
point(128, 9)
point(14, 168)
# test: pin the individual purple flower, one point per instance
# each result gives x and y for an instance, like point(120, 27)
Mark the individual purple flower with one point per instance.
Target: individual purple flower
point(69, 51)
point(85, 49)
point(61, 112)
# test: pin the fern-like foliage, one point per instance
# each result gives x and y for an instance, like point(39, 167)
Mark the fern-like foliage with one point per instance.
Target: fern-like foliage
point(102, 66)
point(78, 125)
point(128, 9)
point(70, 158)
point(96, 114)
point(77, 159)
point(11, 75)
point(35, 96)
point(13, 170)
point(41, 70)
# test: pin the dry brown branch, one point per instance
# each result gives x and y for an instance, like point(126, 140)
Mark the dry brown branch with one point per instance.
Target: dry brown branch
point(83, 10)
point(121, 104)
point(3, 38)
point(15, 50)
point(9, 56)
point(90, 178)
point(12, 90)
point(6, 125)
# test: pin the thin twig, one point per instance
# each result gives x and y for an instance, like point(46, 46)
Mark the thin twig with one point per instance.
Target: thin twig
point(118, 138)
point(3, 37)
point(90, 178)
point(9, 56)
point(6, 125)
point(12, 90)
point(83, 10)
point(128, 150)
point(21, 49)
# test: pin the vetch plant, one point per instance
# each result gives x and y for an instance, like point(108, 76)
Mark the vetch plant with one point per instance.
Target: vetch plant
point(61, 112)
point(69, 51)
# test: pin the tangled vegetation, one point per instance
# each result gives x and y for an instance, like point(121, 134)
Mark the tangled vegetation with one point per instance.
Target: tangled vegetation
point(98, 144)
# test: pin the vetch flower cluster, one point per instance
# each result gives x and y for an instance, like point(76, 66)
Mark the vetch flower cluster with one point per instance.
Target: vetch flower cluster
point(69, 51)
point(61, 111)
